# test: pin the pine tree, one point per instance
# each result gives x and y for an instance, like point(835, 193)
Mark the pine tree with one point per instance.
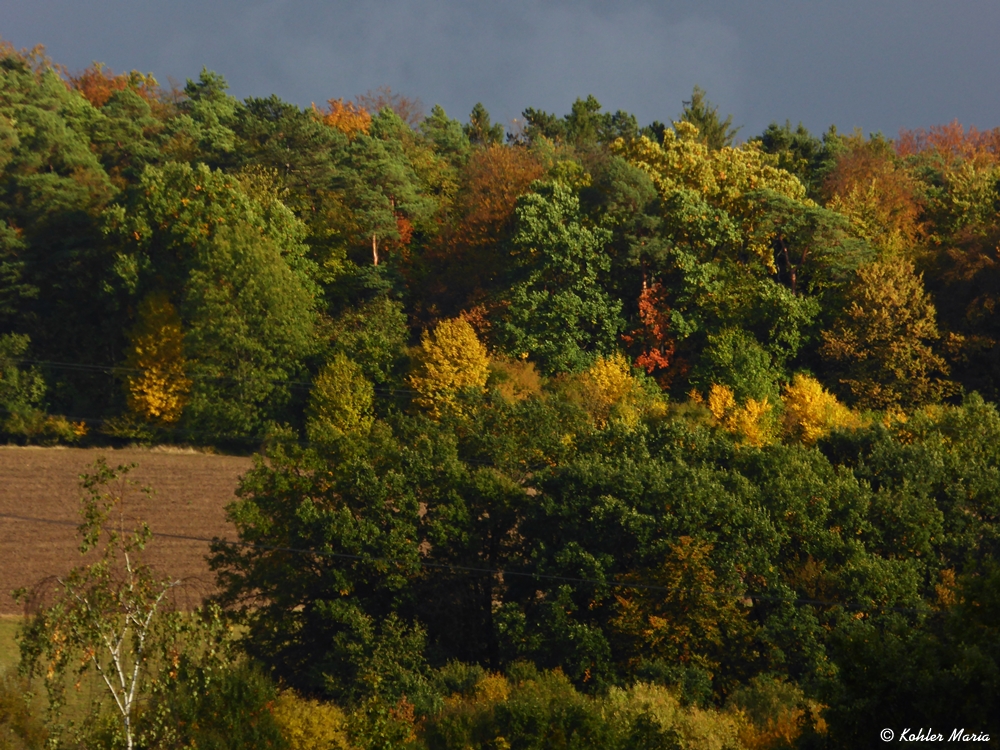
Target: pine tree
point(712, 131)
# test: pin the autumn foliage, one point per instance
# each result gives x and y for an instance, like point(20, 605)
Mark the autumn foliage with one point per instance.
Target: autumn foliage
point(812, 412)
point(541, 463)
point(752, 422)
point(449, 359)
point(652, 339)
point(682, 620)
point(156, 381)
point(98, 83)
point(882, 345)
point(878, 195)
point(340, 403)
point(348, 118)
point(952, 141)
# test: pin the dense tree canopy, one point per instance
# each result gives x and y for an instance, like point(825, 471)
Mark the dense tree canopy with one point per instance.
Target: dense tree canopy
point(679, 417)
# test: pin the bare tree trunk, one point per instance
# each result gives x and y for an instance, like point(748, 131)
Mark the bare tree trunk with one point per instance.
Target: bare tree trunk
point(374, 248)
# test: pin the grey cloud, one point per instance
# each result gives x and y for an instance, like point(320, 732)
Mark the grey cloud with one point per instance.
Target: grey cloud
point(878, 64)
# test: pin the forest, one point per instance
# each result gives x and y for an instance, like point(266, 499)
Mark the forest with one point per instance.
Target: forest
point(573, 433)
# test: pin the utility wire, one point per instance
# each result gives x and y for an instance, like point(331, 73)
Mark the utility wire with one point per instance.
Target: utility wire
point(114, 369)
point(634, 585)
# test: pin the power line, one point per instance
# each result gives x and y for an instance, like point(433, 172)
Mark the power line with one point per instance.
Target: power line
point(634, 585)
point(115, 369)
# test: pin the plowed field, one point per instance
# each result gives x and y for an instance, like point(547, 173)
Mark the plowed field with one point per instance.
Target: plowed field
point(40, 486)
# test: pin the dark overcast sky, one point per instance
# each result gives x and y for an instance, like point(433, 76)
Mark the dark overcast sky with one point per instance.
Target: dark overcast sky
point(874, 65)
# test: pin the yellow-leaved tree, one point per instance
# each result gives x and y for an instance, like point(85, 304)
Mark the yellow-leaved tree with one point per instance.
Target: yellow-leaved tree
point(608, 391)
point(880, 349)
point(724, 178)
point(686, 618)
point(309, 724)
point(340, 403)
point(157, 387)
point(753, 423)
point(812, 412)
point(515, 379)
point(449, 358)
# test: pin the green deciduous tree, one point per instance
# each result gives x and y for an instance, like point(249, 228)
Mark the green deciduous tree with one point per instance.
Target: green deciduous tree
point(557, 311)
point(329, 628)
point(244, 286)
point(373, 334)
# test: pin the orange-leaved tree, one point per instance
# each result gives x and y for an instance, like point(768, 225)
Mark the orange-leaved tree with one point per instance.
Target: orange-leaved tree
point(470, 256)
point(98, 83)
point(876, 193)
point(652, 339)
point(349, 118)
point(951, 141)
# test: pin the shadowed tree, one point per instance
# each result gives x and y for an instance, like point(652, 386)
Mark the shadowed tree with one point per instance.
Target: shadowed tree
point(479, 130)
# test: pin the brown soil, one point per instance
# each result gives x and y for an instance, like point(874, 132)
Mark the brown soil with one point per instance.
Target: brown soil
point(190, 492)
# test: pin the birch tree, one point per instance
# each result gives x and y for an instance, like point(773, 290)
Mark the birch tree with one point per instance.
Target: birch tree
point(108, 617)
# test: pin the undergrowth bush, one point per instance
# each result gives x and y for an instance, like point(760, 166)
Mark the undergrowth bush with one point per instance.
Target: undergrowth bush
point(232, 707)
point(309, 724)
point(20, 729)
point(531, 710)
